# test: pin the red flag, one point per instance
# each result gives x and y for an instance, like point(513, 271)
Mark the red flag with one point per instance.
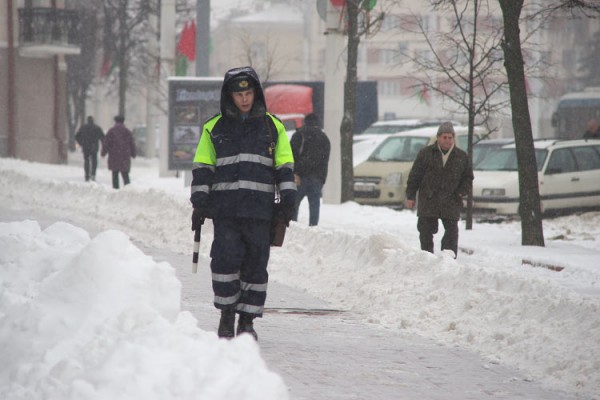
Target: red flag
point(108, 64)
point(423, 94)
point(187, 41)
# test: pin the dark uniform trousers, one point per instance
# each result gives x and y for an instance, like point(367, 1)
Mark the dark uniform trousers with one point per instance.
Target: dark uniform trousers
point(428, 226)
point(239, 258)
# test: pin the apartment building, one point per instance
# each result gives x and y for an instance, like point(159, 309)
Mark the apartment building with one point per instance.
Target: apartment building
point(293, 47)
point(35, 35)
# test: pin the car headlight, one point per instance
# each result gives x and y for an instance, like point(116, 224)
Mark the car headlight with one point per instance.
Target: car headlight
point(493, 192)
point(394, 179)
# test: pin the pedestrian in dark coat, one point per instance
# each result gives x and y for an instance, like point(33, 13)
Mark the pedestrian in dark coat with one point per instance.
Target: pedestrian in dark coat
point(88, 137)
point(311, 149)
point(442, 175)
point(593, 129)
point(242, 160)
point(120, 147)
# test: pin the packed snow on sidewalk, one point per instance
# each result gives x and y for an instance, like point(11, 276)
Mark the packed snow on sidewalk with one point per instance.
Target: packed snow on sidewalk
point(93, 317)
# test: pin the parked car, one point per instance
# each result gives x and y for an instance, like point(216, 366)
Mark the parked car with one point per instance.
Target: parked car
point(381, 129)
point(381, 179)
point(568, 174)
point(140, 137)
point(483, 148)
point(364, 143)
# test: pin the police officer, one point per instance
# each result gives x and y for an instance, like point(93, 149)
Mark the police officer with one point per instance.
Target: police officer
point(243, 158)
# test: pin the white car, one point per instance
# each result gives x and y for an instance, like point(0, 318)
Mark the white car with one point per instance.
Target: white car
point(381, 179)
point(365, 142)
point(568, 176)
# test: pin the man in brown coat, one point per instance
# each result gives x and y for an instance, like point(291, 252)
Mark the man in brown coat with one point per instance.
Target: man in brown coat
point(442, 175)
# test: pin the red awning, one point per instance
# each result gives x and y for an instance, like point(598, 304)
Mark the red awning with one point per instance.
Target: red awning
point(289, 99)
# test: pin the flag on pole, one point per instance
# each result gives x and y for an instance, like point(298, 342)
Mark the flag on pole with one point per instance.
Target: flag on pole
point(423, 94)
point(187, 41)
point(108, 64)
point(181, 65)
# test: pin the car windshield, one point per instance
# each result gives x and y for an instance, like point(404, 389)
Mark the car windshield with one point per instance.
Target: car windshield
point(506, 160)
point(401, 148)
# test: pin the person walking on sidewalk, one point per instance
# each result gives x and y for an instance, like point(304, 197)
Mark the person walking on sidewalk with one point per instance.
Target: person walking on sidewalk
point(242, 159)
point(442, 175)
point(88, 137)
point(120, 147)
point(311, 149)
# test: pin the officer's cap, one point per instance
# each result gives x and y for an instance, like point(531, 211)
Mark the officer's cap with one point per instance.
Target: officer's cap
point(240, 84)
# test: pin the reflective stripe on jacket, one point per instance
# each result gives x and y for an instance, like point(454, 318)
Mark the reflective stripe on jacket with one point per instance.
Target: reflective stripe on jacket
point(238, 164)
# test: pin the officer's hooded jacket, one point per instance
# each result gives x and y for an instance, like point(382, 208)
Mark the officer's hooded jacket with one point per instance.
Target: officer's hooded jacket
point(239, 163)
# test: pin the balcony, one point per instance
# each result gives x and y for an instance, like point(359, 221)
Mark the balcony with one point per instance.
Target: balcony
point(45, 32)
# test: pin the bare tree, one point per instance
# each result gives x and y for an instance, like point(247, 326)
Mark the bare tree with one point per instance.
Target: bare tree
point(259, 51)
point(529, 209)
point(532, 233)
point(81, 68)
point(590, 8)
point(125, 29)
point(354, 15)
point(463, 65)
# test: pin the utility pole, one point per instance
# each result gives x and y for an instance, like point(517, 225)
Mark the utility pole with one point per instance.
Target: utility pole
point(167, 64)
point(335, 72)
point(151, 88)
point(202, 37)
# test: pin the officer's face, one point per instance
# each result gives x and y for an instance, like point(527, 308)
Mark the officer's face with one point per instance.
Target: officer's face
point(445, 141)
point(243, 100)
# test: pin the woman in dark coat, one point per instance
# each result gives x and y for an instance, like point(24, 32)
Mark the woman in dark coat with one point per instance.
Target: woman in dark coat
point(120, 147)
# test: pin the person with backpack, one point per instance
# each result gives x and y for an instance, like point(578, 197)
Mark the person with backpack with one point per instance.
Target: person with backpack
point(88, 137)
point(243, 159)
point(311, 149)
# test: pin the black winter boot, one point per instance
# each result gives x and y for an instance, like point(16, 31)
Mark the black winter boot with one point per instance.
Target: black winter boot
point(245, 325)
point(226, 324)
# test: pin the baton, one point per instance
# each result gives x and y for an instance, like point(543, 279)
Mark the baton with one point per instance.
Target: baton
point(196, 250)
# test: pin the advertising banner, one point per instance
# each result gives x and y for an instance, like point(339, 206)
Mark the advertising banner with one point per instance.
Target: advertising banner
point(191, 102)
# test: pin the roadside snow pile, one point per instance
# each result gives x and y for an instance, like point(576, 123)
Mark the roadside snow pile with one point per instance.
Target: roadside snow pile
point(85, 318)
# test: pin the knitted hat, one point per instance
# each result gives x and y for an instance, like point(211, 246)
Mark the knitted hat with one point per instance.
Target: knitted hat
point(445, 127)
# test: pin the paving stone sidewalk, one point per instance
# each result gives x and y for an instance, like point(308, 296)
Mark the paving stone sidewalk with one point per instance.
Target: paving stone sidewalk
point(325, 355)
point(328, 355)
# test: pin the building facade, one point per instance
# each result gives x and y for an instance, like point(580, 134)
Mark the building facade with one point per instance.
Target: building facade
point(34, 38)
point(293, 48)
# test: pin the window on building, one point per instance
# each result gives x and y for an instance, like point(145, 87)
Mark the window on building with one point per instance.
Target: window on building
point(388, 57)
point(258, 51)
point(390, 22)
point(389, 88)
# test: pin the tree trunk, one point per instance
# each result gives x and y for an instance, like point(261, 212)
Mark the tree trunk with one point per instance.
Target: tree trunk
point(471, 122)
point(122, 56)
point(347, 125)
point(529, 208)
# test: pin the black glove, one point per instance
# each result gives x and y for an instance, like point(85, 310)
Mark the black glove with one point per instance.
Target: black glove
point(198, 217)
point(283, 212)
